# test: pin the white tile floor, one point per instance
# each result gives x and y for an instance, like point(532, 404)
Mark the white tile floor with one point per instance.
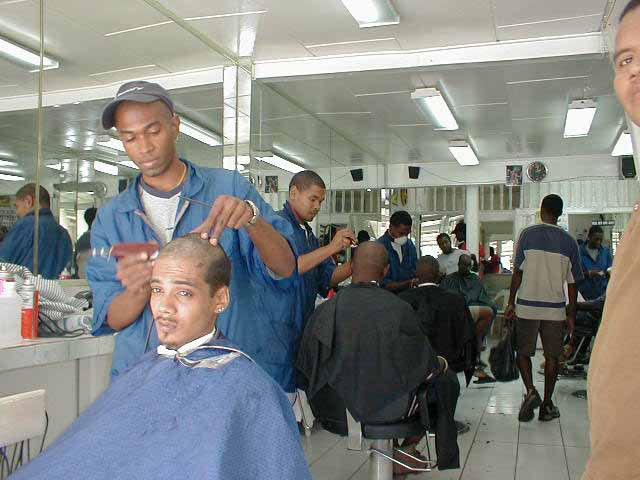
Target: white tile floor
point(498, 447)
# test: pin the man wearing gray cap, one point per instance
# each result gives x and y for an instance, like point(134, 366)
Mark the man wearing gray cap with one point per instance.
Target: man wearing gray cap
point(167, 201)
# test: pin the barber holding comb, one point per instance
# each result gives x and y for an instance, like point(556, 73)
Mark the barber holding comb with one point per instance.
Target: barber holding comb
point(167, 201)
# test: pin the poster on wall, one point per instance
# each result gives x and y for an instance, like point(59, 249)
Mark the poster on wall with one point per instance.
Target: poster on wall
point(271, 184)
point(514, 175)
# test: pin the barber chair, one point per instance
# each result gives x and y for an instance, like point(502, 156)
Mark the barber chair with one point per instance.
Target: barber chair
point(379, 430)
point(587, 324)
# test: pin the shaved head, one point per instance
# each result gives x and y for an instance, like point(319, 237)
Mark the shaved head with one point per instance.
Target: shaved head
point(370, 262)
point(464, 264)
point(428, 270)
point(212, 261)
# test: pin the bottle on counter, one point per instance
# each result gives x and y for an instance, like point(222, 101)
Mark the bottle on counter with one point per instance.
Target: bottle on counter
point(30, 311)
point(10, 309)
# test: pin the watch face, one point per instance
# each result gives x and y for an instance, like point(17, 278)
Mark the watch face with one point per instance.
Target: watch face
point(537, 171)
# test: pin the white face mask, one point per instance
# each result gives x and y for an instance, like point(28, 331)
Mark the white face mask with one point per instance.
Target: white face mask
point(400, 240)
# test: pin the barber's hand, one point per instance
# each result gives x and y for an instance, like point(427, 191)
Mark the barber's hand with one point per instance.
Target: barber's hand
point(343, 239)
point(227, 212)
point(134, 271)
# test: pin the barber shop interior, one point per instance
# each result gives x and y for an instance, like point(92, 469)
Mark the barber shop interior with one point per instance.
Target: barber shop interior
point(319, 239)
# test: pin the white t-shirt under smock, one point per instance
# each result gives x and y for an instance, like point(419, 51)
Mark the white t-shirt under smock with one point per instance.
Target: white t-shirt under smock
point(161, 209)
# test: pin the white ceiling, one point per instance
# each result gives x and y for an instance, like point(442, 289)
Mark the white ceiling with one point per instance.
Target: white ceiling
point(508, 109)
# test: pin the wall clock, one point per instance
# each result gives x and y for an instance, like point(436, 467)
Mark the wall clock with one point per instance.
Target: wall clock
point(537, 171)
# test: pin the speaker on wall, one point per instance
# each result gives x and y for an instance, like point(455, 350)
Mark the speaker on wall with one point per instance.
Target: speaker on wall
point(357, 174)
point(627, 167)
point(414, 172)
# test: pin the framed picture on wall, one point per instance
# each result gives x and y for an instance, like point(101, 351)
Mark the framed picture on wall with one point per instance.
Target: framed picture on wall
point(514, 175)
point(271, 184)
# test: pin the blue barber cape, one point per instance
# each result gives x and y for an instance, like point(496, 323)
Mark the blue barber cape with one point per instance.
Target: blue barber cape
point(261, 306)
point(163, 420)
point(54, 244)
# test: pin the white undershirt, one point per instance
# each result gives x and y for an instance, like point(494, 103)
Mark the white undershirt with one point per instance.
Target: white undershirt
point(187, 348)
point(428, 284)
point(161, 213)
point(398, 249)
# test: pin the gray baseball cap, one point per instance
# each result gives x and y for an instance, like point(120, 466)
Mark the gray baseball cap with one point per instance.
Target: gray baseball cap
point(137, 91)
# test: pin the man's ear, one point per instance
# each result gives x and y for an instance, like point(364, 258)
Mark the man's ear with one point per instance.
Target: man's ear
point(31, 201)
point(175, 126)
point(221, 299)
point(293, 193)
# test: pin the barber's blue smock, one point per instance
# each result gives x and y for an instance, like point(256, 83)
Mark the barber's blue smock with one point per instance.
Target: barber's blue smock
point(54, 244)
point(592, 288)
point(251, 320)
point(164, 420)
point(399, 271)
point(315, 281)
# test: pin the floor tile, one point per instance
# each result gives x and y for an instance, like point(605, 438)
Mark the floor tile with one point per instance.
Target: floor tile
point(577, 459)
point(492, 460)
point(540, 433)
point(541, 462)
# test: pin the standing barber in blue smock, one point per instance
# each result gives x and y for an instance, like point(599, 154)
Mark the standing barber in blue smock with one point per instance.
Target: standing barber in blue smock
point(318, 271)
point(596, 261)
point(403, 257)
point(158, 207)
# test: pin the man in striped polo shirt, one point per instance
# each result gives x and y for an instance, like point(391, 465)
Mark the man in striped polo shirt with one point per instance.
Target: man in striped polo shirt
point(546, 258)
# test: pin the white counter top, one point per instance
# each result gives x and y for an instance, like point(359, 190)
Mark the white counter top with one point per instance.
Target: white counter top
point(44, 351)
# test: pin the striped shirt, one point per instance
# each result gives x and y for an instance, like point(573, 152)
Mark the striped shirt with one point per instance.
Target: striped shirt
point(548, 257)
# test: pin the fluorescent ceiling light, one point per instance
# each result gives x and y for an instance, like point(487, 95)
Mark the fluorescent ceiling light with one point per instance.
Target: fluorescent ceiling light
point(281, 163)
point(55, 166)
point(113, 144)
point(433, 104)
point(372, 13)
point(5, 163)
point(463, 153)
point(20, 53)
point(109, 72)
point(199, 133)
point(11, 178)
point(107, 168)
point(624, 145)
point(579, 118)
point(129, 163)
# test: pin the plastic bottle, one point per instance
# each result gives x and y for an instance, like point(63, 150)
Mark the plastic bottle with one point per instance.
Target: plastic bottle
point(4, 273)
point(30, 309)
point(10, 306)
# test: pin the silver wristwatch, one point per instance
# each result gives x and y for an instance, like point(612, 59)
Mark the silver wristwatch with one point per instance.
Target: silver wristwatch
point(256, 212)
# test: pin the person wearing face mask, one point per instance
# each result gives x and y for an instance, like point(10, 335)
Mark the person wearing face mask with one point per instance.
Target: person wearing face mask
point(403, 256)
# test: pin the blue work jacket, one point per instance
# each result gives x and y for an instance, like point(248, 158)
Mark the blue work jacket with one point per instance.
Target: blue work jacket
point(399, 271)
point(253, 319)
point(592, 288)
point(55, 248)
point(315, 281)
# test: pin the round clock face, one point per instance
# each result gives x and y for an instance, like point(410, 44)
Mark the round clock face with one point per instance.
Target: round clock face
point(537, 171)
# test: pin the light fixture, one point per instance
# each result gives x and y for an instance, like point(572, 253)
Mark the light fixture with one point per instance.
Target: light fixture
point(129, 164)
point(107, 168)
point(20, 53)
point(11, 178)
point(372, 13)
point(281, 163)
point(199, 133)
point(55, 166)
point(579, 118)
point(110, 142)
point(463, 153)
point(5, 163)
point(433, 105)
point(624, 145)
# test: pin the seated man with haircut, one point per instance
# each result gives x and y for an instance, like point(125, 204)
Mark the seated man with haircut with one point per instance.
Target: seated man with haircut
point(482, 308)
point(195, 408)
point(368, 346)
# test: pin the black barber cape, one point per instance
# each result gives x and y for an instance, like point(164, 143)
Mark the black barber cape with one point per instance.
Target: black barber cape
point(447, 323)
point(367, 344)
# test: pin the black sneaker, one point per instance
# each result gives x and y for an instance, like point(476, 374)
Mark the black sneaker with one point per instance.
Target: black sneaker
point(531, 401)
point(548, 412)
